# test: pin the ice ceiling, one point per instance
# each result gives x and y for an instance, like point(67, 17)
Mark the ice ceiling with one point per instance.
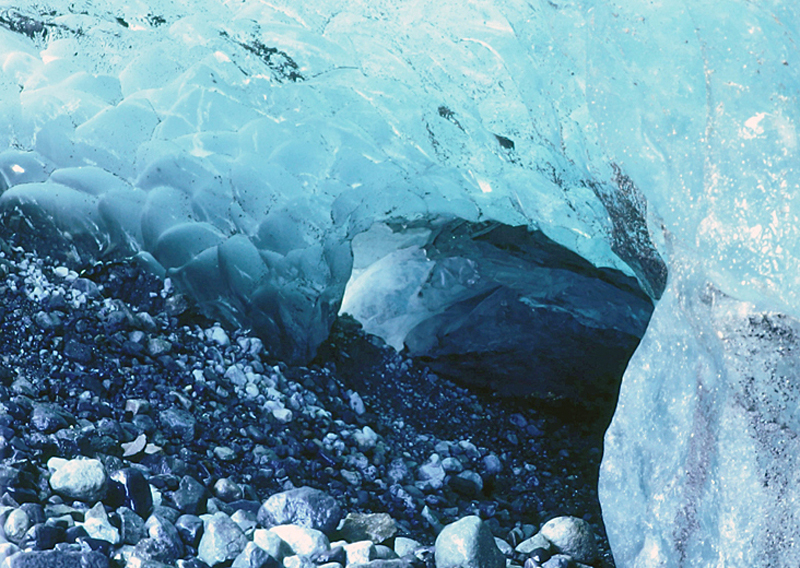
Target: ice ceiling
point(243, 146)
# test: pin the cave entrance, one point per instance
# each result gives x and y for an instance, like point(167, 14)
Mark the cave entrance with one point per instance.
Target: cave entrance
point(502, 309)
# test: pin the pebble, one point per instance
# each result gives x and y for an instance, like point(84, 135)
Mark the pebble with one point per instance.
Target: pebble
point(200, 413)
point(80, 479)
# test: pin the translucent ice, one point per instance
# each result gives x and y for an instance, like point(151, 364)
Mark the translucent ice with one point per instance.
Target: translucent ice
point(246, 145)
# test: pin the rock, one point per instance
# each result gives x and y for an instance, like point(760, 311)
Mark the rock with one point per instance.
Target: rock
point(504, 547)
point(245, 519)
point(467, 543)
point(384, 563)
point(79, 479)
point(46, 537)
point(191, 496)
point(366, 438)
point(431, 474)
point(376, 527)
point(134, 448)
point(254, 556)
point(360, 552)
point(7, 549)
point(222, 540)
point(48, 418)
point(130, 488)
point(573, 536)
point(190, 529)
point(304, 506)
point(227, 490)
point(303, 541)
point(403, 546)
point(538, 540)
point(169, 546)
point(559, 561)
point(298, 562)
point(272, 544)
point(17, 524)
point(178, 423)
point(57, 559)
point(467, 483)
point(131, 525)
point(97, 525)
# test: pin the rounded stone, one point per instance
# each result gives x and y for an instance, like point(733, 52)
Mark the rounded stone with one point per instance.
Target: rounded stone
point(303, 506)
point(572, 536)
point(467, 543)
point(82, 480)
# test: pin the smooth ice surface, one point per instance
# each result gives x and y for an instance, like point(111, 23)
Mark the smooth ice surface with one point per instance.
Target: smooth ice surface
point(254, 140)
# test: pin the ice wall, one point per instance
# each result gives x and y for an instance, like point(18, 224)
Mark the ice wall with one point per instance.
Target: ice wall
point(245, 144)
point(699, 103)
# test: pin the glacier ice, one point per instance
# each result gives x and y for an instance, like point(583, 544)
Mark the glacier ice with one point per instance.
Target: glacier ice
point(244, 146)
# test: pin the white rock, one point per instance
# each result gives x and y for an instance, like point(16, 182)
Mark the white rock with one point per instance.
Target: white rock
point(302, 540)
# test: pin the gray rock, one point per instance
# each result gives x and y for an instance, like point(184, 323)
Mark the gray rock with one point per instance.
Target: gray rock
point(504, 547)
point(303, 541)
point(57, 559)
point(360, 552)
point(377, 527)
point(404, 546)
point(82, 480)
point(272, 544)
point(222, 540)
point(162, 531)
point(48, 418)
point(97, 525)
point(131, 526)
point(573, 536)
point(190, 529)
point(178, 423)
point(17, 524)
point(304, 506)
point(296, 561)
point(384, 563)
point(559, 561)
point(536, 541)
point(431, 474)
point(253, 556)
point(467, 543)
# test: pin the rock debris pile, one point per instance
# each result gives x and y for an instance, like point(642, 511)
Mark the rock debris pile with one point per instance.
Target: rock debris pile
point(135, 433)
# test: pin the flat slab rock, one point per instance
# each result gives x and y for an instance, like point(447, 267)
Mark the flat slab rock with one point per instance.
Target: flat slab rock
point(58, 559)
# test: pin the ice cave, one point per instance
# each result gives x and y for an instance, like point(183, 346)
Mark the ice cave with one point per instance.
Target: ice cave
point(517, 192)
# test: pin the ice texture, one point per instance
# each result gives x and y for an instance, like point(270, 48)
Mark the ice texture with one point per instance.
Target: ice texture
point(246, 145)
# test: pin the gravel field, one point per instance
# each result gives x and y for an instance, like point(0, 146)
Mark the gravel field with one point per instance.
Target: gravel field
point(113, 364)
